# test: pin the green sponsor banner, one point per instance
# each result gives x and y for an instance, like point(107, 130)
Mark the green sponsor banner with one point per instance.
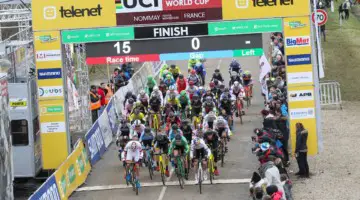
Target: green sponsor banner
point(245, 27)
point(248, 52)
point(98, 35)
point(54, 109)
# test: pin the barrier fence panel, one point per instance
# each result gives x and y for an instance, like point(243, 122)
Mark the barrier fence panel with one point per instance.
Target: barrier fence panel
point(330, 93)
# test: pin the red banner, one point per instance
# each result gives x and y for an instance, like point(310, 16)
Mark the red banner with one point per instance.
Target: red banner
point(122, 59)
point(190, 4)
point(169, 16)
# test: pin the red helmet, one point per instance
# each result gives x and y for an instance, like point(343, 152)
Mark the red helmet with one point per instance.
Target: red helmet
point(191, 83)
point(212, 84)
point(193, 72)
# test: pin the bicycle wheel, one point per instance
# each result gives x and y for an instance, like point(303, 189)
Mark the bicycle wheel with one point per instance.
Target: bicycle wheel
point(151, 170)
point(162, 173)
point(200, 176)
point(180, 173)
point(211, 172)
point(239, 112)
point(222, 155)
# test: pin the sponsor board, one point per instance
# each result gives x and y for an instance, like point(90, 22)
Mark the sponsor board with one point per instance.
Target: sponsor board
point(202, 14)
point(54, 91)
point(132, 6)
point(47, 190)
point(49, 73)
point(295, 24)
point(171, 31)
point(18, 103)
point(46, 38)
point(49, 55)
point(51, 110)
point(52, 127)
point(302, 59)
point(245, 9)
point(95, 143)
point(297, 41)
point(302, 113)
point(300, 77)
point(301, 95)
point(190, 4)
point(68, 14)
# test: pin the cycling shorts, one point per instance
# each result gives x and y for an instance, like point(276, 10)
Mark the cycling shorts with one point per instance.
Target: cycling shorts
point(181, 149)
point(163, 147)
point(147, 143)
point(220, 131)
point(200, 153)
point(133, 155)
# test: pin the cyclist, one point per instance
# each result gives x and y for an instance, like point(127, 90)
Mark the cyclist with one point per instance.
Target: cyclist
point(211, 138)
point(129, 95)
point(167, 110)
point(175, 70)
point(156, 92)
point(143, 98)
point(209, 120)
point(191, 64)
point(201, 91)
point(199, 150)
point(248, 81)
point(162, 145)
point(172, 119)
point(174, 131)
point(169, 80)
point(165, 74)
point(238, 91)
point(184, 101)
point(200, 71)
point(155, 103)
point(139, 106)
point(191, 89)
point(226, 105)
point(151, 83)
point(163, 88)
point(128, 107)
point(186, 129)
point(137, 115)
point(165, 67)
point(179, 146)
point(136, 129)
point(217, 75)
point(133, 153)
point(234, 77)
point(208, 106)
point(122, 135)
point(226, 92)
point(175, 103)
point(194, 78)
point(235, 66)
point(221, 126)
point(196, 106)
point(181, 83)
point(213, 88)
point(146, 139)
point(208, 93)
point(172, 91)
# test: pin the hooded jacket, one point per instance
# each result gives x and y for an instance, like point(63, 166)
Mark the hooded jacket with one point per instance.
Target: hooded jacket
point(271, 173)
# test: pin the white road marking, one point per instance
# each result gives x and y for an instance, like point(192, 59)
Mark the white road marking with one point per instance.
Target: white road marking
point(219, 64)
point(163, 190)
point(168, 183)
point(248, 42)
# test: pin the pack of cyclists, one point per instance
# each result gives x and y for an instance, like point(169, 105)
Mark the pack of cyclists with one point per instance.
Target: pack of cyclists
point(181, 116)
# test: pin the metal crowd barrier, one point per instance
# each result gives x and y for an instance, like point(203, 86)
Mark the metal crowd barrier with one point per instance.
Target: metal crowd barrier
point(330, 94)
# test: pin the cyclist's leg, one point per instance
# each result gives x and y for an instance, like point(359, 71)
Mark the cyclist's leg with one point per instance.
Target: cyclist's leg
point(137, 164)
point(166, 149)
point(204, 159)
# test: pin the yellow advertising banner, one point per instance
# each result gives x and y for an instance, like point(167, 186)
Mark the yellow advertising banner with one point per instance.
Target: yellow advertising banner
point(73, 171)
point(53, 125)
point(300, 79)
point(252, 9)
point(70, 14)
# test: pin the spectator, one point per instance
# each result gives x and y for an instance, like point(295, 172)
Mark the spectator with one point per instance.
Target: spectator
point(287, 184)
point(301, 150)
point(271, 173)
point(346, 7)
point(120, 80)
point(95, 104)
point(281, 48)
point(102, 93)
point(273, 191)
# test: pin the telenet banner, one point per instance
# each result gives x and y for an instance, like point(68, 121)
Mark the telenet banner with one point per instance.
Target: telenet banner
point(70, 14)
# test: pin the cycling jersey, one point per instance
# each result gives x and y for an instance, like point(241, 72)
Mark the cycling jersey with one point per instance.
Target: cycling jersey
point(175, 70)
point(196, 107)
point(134, 117)
point(133, 151)
point(201, 146)
point(183, 144)
point(172, 134)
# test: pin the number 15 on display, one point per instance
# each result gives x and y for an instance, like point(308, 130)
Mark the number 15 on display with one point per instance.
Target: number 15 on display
point(122, 48)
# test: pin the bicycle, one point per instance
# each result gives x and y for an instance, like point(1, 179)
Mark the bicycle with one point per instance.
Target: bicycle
point(154, 122)
point(239, 107)
point(197, 121)
point(200, 173)
point(222, 148)
point(131, 171)
point(149, 162)
point(211, 168)
point(179, 170)
point(162, 166)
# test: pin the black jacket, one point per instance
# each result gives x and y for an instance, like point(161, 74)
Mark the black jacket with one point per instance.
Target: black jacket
point(301, 139)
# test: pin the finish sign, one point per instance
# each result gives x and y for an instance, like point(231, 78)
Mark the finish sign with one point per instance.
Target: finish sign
point(321, 17)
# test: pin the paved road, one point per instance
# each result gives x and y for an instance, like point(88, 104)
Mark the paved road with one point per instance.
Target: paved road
point(106, 182)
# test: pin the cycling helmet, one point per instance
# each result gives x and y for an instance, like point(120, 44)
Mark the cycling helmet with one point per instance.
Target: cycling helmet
point(264, 146)
point(212, 84)
point(131, 101)
point(193, 72)
point(201, 88)
point(172, 87)
point(128, 94)
point(178, 137)
point(220, 119)
point(150, 78)
point(216, 82)
point(142, 93)
point(195, 97)
point(137, 122)
point(197, 141)
point(156, 89)
point(192, 61)
point(168, 76)
point(191, 83)
point(225, 98)
point(174, 127)
point(211, 116)
point(222, 87)
point(236, 84)
point(147, 130)
point(217, 71)
point(173, 66)
point(183, 93)
point(234, 74)
point(136, 111)
point(208, 99)
point(198, 64)
point(171, 114)
point(185, 121)
point(166, 71)
point(181, 76)
point(172, 96)
point(226, 89)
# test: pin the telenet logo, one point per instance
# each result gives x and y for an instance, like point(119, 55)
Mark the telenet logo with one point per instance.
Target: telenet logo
point(50, 12)
point(262, 3)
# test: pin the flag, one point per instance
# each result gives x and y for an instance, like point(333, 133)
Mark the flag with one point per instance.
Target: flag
point(265, 67)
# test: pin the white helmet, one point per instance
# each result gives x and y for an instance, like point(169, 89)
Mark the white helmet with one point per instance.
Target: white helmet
point(172, 87)
point(156, 89)
point(137, 122)
point(142, 93)
point(198, 64)
point(236, 84)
